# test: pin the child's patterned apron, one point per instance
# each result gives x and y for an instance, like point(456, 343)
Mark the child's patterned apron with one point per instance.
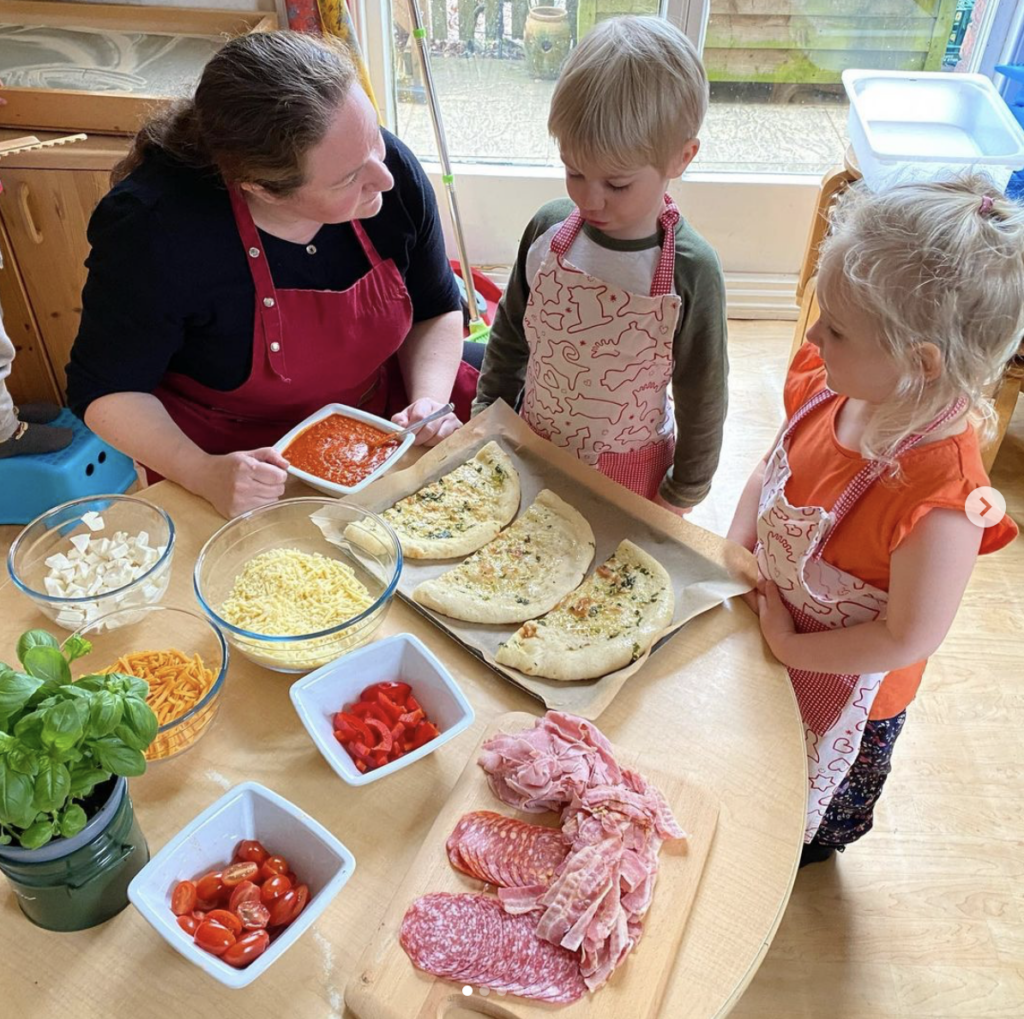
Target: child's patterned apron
point(600, 368)
point(790, 543)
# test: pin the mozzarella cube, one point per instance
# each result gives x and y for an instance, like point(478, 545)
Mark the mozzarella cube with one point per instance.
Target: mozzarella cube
point(93, 520)
point(81, 541)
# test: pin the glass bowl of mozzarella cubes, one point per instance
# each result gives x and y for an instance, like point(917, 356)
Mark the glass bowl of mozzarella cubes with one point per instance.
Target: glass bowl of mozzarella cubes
point(90, 557)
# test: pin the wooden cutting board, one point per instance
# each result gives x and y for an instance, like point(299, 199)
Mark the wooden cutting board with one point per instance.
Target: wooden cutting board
point(386, 985)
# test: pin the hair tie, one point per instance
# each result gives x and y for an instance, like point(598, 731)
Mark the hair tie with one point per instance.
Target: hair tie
point(986, 205)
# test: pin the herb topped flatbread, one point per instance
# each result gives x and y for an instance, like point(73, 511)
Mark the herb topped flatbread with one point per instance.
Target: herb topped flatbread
point(607, 622)
point(453, 516)
point(522, 572)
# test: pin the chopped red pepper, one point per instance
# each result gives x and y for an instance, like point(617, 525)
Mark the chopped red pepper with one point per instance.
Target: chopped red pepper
point(411, 718)
point(386, 742)
point(391, 709)
point(385, 724)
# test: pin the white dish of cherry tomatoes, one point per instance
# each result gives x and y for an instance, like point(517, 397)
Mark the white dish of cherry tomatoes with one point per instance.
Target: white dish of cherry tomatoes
point(238, 885)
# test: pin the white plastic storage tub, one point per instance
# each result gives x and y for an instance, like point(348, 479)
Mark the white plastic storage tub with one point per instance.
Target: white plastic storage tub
point(908, 125)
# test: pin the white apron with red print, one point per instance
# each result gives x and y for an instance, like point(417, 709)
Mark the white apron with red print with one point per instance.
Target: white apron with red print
point(790, 544)
point(600, 369)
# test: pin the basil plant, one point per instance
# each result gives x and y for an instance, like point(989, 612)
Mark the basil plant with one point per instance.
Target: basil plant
point(59, 739)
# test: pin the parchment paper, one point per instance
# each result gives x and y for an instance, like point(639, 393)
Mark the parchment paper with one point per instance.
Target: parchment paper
point(705, 568)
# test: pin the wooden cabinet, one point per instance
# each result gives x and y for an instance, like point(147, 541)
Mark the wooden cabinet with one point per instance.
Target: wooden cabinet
point(48, 196)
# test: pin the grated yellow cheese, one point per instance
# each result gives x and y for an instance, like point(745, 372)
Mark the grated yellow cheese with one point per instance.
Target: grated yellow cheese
point(285, 592)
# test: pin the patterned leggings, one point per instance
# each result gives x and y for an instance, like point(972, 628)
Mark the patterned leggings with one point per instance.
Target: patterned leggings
point(851, 812)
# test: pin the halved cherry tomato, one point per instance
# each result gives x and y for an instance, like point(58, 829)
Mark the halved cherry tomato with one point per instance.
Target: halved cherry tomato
point(226, 919)
point(251, 850)
point(274, 887)
point(183, 898)
point(239, 872)
point(273, 865)
point(244, 892)
point(213, 938)
point(210, 887)
point(247, 948)
point(205, 906)
point(189, 924)
point(199, 914)
point(254, 915)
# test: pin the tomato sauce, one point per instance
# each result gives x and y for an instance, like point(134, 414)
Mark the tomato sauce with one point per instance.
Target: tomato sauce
point(337, 449)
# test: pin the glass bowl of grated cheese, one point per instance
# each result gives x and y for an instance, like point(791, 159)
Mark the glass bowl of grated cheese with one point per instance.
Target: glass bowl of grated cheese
point(287, 587)
point(90, 557)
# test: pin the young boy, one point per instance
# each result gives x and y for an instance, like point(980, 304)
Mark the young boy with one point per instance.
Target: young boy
point(615, 309)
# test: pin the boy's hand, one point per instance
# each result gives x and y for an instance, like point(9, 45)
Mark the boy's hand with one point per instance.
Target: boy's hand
point(776, 622)
point(679, 511)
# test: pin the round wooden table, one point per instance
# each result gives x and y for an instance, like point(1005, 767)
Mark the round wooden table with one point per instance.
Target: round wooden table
point(713, 701)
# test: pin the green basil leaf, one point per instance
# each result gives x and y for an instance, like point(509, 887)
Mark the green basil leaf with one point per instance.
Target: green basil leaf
point(83, 782)
point(16, 690)
point(115, 757)
point(35, 638)
point(141, 717)
point(48, 664)
point(63, 725)
point(105, 711)
point(8, 743)
point(52, 785)
point(5, 839)
point(16, 807)
point(76, 647)
point(28, 727)
point(23, 759)
point(72, 821)
point(92, 683)
point(127, 735)
point(37, 835)
point(72, 691)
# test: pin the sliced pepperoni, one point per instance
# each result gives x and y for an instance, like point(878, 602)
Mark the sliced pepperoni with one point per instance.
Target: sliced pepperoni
point(470, 939)
point(505, 851)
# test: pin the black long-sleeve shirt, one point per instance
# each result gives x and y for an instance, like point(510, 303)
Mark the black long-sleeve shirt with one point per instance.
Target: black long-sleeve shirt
point(169, 286)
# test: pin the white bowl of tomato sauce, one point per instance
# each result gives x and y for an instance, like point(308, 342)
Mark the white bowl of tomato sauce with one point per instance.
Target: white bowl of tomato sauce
point(308, 867)
point(335, 451)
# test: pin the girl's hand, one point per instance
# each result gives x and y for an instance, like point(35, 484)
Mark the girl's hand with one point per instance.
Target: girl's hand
point(776, 622)
point(239, 482)
point(679, 511)
point(428, 435)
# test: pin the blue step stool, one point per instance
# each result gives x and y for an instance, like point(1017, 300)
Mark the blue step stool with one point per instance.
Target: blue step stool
point(30, 485)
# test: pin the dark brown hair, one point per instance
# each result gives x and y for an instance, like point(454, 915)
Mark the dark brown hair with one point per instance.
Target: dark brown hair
point(262, 102)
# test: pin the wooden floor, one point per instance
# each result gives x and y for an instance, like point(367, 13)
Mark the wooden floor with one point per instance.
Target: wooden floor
point(925, 916)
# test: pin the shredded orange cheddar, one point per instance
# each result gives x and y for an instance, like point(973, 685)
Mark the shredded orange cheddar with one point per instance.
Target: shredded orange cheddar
point(177, 683)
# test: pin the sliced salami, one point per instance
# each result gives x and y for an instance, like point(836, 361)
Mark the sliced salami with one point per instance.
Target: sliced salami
point(505, 851)
point(470, 939)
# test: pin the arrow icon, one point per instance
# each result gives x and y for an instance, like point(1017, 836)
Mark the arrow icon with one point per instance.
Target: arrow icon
point(985, 506)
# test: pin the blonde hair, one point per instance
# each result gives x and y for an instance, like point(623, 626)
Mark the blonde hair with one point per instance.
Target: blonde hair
point(633, 92)
point(940, 263)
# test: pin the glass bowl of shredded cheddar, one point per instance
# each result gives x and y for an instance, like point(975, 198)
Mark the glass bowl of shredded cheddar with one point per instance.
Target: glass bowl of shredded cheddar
point(288, 588)
point(179, 653)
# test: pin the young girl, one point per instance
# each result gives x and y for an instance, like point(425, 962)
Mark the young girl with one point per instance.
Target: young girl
point(612, 328)
point(857, 514)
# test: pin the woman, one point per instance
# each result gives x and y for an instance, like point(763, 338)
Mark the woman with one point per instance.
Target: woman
point(266, 249)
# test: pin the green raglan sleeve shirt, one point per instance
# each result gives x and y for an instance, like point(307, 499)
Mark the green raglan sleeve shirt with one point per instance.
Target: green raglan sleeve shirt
point(700, 359)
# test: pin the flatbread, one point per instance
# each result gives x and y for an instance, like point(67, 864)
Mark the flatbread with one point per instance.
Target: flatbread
point(453, 516)
point(523, 572)
point(608, 622)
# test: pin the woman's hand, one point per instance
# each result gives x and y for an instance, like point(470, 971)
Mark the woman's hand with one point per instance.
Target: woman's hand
point(432, 434)
point(238, 482)
point(776, 622)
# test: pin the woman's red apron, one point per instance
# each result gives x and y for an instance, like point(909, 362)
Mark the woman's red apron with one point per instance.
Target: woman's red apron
point(309, 348)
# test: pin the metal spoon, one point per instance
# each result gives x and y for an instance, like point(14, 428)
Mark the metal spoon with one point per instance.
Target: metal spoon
point(415, 427)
